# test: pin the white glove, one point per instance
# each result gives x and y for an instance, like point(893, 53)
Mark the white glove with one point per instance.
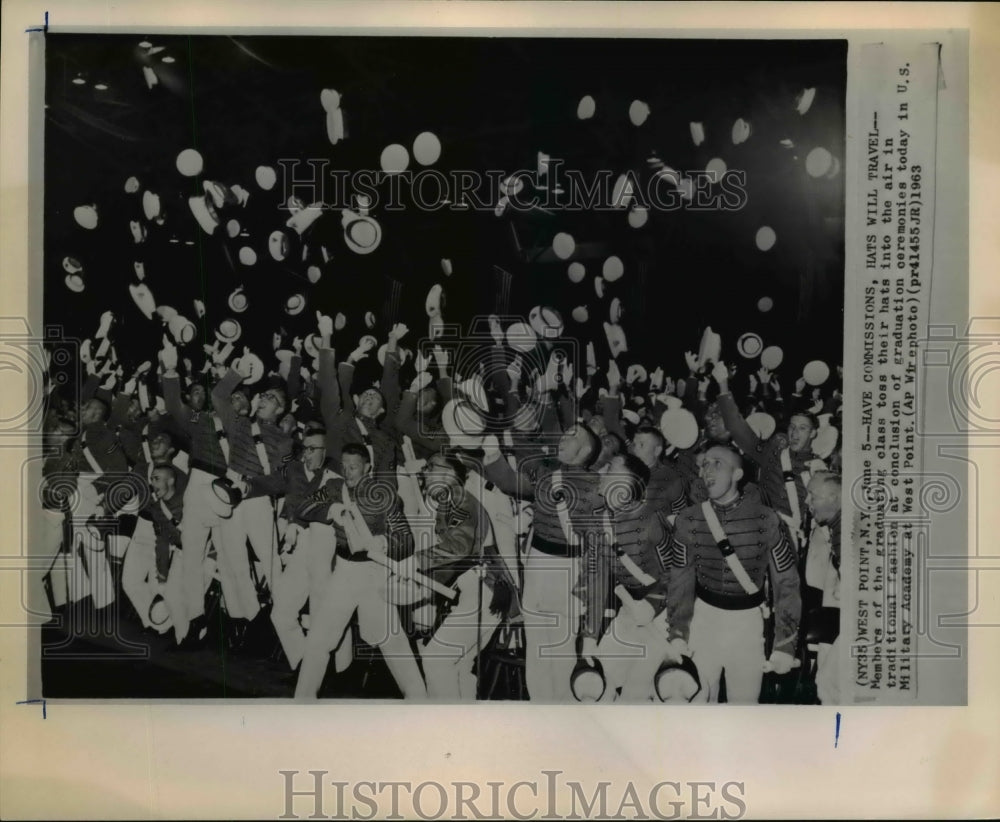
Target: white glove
point(106, 319)
point(656, 380)
point(440, 357)
point(614, 376)
point(243, 368)
point(514, 371)
point(720, 373)
point(220, 356)
point(491, 449)
point(679, 648)
point(779, 662)
point(398, 331)
point(168, 355)
point(324, 324)
point(422, 380)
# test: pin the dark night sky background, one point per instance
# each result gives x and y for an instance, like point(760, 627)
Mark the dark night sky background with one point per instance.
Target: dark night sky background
point(493, 103)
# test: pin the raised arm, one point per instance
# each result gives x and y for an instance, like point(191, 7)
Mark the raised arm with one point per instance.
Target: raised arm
point(329, 397)
point(178, 411)
point(742, 434)
point(222, 402)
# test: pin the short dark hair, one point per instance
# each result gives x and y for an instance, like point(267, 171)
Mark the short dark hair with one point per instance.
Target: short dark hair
point(105, 408)
point(164, 432)
point(170, 468)
point(457, 467)
point(656, 433)
point(358, 450)
point(813, 420)
point(281, 392)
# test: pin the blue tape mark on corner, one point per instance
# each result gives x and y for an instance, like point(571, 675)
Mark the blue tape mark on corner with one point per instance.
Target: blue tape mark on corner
point(34, 702)
point(836, 737)
point(43, 28)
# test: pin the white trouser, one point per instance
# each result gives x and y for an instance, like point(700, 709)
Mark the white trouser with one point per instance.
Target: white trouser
point(450, 654)
point(358, 586)
point(87, 566)
point(732, 641)
point(199, 522)
point(827, 673)
point(306, 577)
point(551, 621)
point(140, 578)
point(631, 655)
point(252, 519)
point(50, 535)
point(139, 569)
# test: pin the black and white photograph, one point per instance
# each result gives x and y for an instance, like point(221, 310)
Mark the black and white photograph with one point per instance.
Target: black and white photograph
point(390, 389)
point(443, 369)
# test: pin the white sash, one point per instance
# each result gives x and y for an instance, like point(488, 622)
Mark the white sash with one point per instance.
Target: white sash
point(168, 514)
point(94, 464)
point(220, 434)
point(146, 454)
point(259, 445)
point(562, 509)
point(630, 566)
point(367, 441)
point(733, 561)
point(790, 490)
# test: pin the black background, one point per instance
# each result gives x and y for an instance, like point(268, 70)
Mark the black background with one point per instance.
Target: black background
point(493, 102)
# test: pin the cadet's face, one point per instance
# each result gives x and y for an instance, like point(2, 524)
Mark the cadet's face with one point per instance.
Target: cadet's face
point(800, 433)
point(574, 446)
point(314, 452)
point(354, 469)
point(719, 472)
point(715, 428)
point(440, 481)
point(92, 412)
point(823, 500)
point(270, 406)
point(646, 447)
point(162, 483)
point(370, 404)
point(197, 397)
point(159, 447)
point(241, 405)
point(598, 426)
point(427, 401)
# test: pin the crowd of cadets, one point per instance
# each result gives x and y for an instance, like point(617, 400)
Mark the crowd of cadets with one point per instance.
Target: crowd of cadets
point(427, 511)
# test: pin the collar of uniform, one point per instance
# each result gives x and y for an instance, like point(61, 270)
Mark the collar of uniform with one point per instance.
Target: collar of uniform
point(729, 507)
point(834, 522)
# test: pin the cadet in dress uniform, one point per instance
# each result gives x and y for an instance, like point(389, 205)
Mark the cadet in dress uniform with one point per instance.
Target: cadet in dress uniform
point(629, 556)
point(207, 463)
point(824, 501)
point(257, 447)
point(347, 423)
point(566, 495)
point(782, 460)
point(722, 553)
point(308, 485)
point(359, 584)
point(464, 556)
point(665, 490)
